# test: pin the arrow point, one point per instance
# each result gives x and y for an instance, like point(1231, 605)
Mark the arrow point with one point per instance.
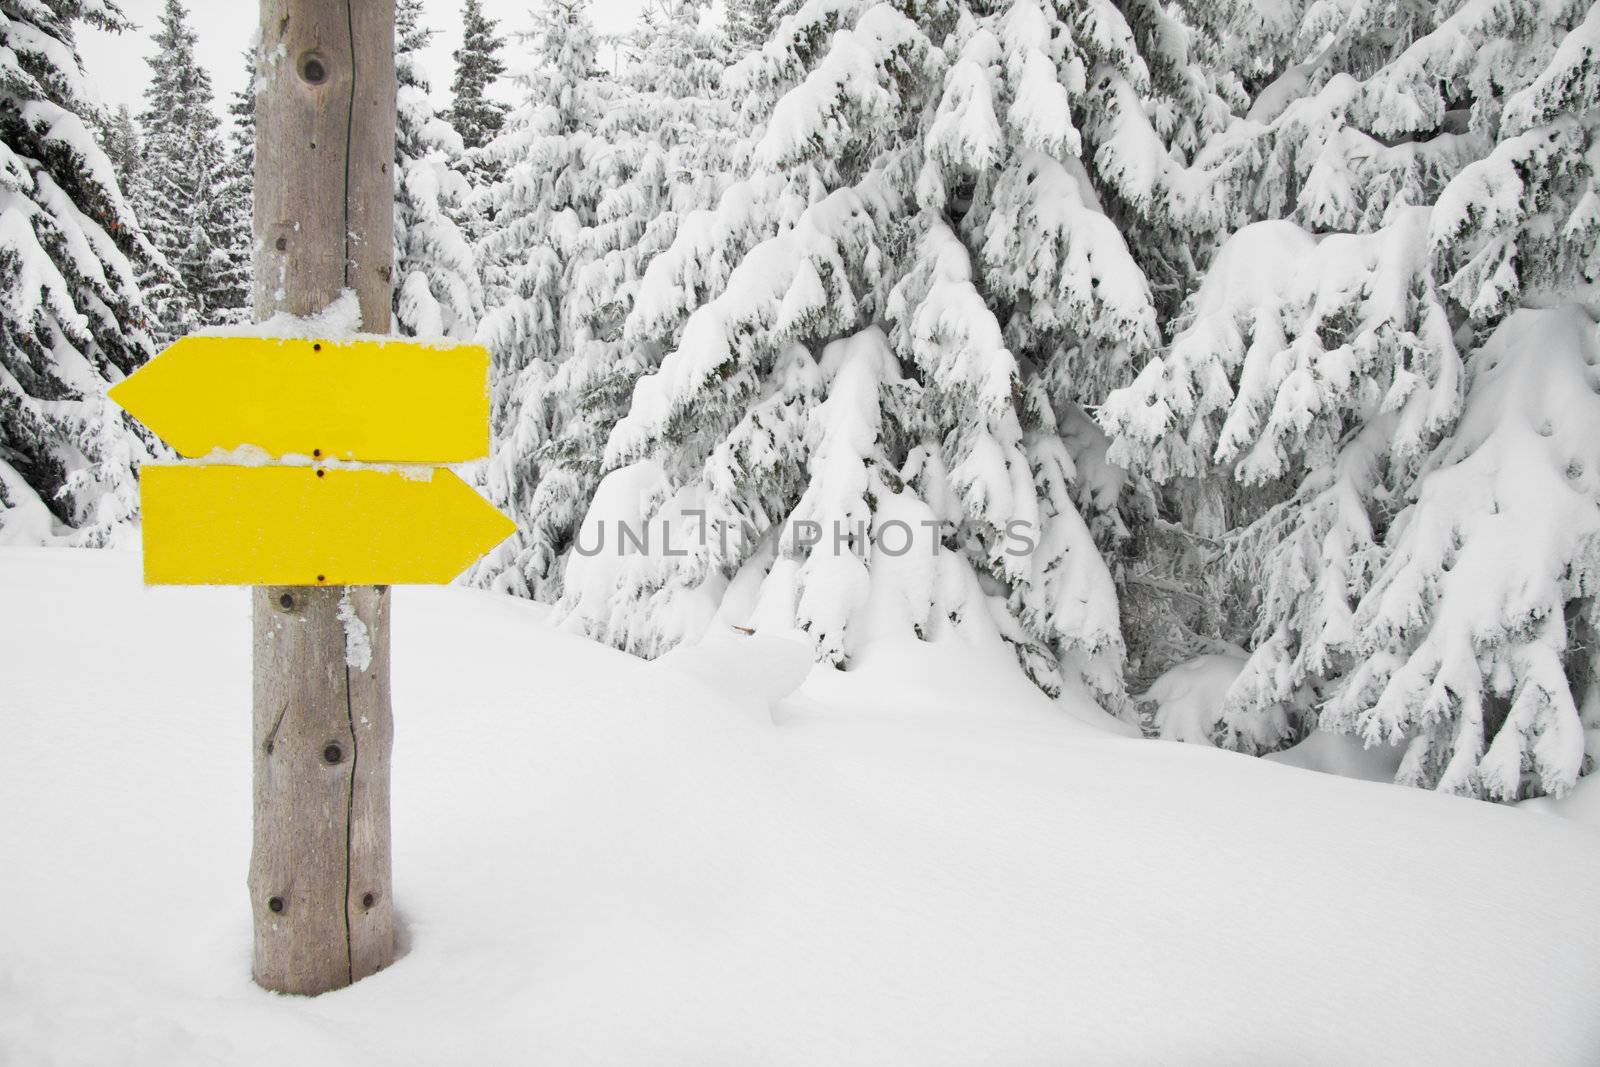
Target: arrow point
point(482, 525)
point(500, 526)
point(139, 394)
point(126, 393)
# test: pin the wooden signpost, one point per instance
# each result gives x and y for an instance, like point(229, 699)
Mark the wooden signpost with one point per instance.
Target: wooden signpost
point(287, 499)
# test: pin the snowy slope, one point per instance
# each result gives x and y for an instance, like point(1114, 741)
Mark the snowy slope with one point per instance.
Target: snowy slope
point(600, 860)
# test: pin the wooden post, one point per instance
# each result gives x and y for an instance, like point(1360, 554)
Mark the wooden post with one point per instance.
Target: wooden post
point(320, 878)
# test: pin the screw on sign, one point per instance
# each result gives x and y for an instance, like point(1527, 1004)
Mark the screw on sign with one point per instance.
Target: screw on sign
point(297, 513)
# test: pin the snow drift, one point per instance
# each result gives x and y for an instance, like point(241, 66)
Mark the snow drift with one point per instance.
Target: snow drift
point(600, 860)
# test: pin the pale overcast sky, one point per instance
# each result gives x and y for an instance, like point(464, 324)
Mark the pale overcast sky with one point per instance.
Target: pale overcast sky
point(117, 63)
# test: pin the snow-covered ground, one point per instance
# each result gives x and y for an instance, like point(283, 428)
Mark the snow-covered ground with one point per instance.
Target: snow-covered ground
point(600, 860)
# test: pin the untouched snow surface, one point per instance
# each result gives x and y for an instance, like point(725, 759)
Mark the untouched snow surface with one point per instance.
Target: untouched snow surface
point(600, 860)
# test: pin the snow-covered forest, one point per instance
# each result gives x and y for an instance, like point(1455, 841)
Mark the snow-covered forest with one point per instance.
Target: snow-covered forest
point(1233, 364)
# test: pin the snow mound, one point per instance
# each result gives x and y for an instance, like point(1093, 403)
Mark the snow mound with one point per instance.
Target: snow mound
point(1188, 697)
point(1582, 804)
point(1333, 753)
point(602, 860)
point(1188, 700)
point(752, 668)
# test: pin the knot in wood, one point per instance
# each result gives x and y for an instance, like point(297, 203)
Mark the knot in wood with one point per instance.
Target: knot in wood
point(313, 69)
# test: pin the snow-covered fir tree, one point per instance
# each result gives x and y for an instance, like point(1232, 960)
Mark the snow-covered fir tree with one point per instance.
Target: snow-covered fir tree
point(119, 137)
point(544, 203)
point(477, 116)
point(474, 113)
point(182, 205)
point(73, 320)
point(1476, 639)
point(242, 114)
point(237, 193)
point(1309, 377)
point(437, 291)
point(661, 151)
point(1349, 391)
point(750, 23)
point(886, 336)
point(670, 103)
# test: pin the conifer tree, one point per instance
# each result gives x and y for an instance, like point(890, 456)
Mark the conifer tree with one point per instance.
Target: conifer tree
point(542, 205)
point(661, 152)
point(1342, 366)
point(73, 320)
point(237, 193)
point(1316, 373)
point(119, 136)
point(894, 323)
point(437, 292)
point(242, 113)
point(474, 114)
point(750, 23)
point(1475, 641)
point(182, 208)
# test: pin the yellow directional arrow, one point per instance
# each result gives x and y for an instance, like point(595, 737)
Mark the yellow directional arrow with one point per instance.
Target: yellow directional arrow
point(222, 525)
point(377, 401)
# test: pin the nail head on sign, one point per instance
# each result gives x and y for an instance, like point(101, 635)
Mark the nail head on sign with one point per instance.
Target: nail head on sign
point(333, 754)
point(275, 904)
point(286, 600)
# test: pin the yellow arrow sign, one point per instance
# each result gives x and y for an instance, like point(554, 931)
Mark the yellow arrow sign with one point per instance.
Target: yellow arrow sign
point(222, 525)
point(379, 401)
